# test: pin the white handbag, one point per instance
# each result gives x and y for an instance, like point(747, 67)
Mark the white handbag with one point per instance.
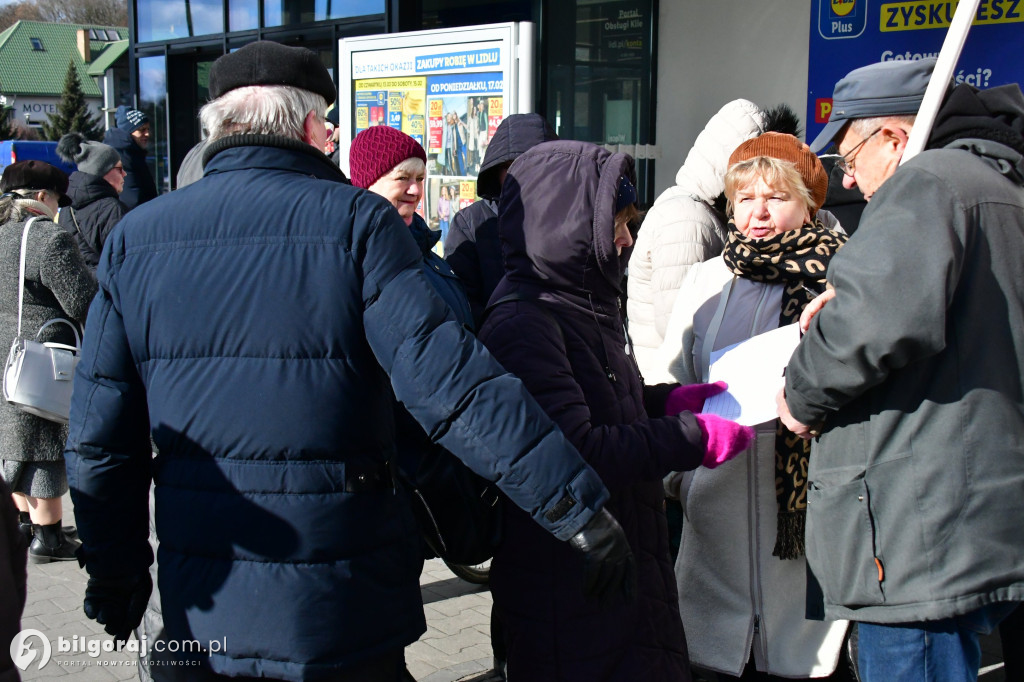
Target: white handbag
point(38, 376)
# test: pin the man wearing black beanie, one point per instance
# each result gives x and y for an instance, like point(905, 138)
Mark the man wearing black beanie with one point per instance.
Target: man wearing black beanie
point(259, 325)
point(131, 139)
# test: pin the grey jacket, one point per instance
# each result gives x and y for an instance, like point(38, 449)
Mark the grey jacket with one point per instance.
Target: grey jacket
point(736, 600)
point(58, 284)
point(915, 504)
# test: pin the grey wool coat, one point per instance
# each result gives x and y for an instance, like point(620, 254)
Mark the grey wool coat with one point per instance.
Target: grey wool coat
point(58, 283)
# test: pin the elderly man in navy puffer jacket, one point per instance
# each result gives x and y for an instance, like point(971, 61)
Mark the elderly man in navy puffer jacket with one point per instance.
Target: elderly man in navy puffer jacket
point(254, 323)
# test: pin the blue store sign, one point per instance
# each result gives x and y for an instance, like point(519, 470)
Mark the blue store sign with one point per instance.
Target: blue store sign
point(846, 34)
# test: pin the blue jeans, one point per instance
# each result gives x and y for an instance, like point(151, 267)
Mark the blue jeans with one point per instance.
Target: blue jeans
point(945, 650)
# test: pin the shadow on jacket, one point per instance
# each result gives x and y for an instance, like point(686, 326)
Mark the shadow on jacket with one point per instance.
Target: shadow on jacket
point(196, 550)
point(472, 248)
point(139, 186)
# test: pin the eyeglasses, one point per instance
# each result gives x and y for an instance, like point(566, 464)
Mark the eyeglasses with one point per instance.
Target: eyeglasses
point(846, 161)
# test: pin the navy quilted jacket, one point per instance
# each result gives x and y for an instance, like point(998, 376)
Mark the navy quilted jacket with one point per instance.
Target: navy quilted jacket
point(251, 321)
point(567, 344)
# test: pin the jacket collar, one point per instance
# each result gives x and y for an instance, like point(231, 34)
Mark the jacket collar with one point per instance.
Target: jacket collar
point(237, 152)
point(424, 236)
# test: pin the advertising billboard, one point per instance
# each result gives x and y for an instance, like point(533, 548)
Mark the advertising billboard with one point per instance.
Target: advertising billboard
point(447, 89)
point(846, 34)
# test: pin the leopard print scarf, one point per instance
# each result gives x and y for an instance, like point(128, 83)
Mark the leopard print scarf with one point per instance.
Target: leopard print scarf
point(797, 259)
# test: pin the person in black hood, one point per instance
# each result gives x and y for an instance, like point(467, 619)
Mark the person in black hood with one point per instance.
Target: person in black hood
point(472, 248)
point(563, 221)
point(131, 140)
point(93, 190)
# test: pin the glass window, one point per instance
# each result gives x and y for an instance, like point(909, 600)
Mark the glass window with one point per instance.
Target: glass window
point(169, 19)
point(285, 12)
point(153, 101)
point(37, 44)
point(243, 14)
point(599, 85)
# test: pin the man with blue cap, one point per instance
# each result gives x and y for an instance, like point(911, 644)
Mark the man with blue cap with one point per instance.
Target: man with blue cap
point(131, 140)
point(912, 378)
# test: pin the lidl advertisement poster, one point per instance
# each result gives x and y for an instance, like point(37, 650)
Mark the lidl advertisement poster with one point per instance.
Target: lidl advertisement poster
point(396, 102)
point(847, 34)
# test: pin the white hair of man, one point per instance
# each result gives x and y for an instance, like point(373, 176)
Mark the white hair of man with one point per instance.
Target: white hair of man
point(865, 126)
point(262, 110)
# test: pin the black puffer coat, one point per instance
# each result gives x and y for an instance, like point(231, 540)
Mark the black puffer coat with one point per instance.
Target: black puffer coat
point(472, 248)
point(556, 225)
point(95, 209)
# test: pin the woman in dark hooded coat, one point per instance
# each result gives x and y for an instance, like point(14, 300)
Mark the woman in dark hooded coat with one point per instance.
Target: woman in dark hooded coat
point(554, 321)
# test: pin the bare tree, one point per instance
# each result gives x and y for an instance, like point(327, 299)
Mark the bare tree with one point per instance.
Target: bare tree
point(19, 11)
point(102, 12)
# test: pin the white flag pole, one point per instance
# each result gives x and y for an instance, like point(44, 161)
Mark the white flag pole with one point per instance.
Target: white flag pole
point(952, 45)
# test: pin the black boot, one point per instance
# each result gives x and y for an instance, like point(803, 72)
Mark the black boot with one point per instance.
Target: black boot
point(51, 544)
point(25, 526)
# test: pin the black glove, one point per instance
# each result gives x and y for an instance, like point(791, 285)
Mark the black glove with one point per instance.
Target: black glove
point(118, 603)
point(608, 564)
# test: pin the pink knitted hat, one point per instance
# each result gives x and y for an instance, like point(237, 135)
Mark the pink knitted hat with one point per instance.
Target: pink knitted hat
point(377, 150)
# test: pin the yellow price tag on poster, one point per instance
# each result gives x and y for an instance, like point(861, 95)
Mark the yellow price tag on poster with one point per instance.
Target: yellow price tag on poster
point(494, 106)
point(436, 107)
point(467, 189)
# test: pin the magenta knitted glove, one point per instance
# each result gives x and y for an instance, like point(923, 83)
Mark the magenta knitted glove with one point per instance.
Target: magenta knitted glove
point(691, 398)
point(723, 439)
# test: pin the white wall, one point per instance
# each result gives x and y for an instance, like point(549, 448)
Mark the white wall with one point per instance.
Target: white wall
point(711, 52)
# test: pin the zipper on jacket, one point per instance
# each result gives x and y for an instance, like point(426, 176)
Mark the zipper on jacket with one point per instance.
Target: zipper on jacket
point(757, 648)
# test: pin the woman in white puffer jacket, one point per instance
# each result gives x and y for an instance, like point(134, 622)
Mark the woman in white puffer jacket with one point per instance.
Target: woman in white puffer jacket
point(684, 226)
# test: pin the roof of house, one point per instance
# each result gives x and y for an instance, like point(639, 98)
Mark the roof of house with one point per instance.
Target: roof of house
point(106, 58)
point(34, 56)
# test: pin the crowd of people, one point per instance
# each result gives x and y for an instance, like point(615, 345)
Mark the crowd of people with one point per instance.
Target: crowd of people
point(267, 348)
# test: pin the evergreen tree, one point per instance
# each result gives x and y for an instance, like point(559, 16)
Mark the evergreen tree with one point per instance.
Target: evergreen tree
point(72, 112)
point(7, 131)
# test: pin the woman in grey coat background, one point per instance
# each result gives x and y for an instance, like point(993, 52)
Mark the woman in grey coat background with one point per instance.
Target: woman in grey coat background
point(58, 284)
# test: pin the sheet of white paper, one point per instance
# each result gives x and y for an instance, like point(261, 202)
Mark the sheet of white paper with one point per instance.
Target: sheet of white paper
point(753, 369)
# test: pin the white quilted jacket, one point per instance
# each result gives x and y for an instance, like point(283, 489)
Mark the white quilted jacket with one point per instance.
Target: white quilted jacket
point(683, 228)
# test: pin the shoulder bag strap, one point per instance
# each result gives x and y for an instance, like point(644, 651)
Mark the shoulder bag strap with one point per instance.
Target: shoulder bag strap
point(21, 271)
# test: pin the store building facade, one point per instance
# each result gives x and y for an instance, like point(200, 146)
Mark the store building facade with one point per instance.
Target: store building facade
point(643, 74)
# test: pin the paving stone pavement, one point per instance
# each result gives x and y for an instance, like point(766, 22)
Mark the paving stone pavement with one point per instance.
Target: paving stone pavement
point(455, 647)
